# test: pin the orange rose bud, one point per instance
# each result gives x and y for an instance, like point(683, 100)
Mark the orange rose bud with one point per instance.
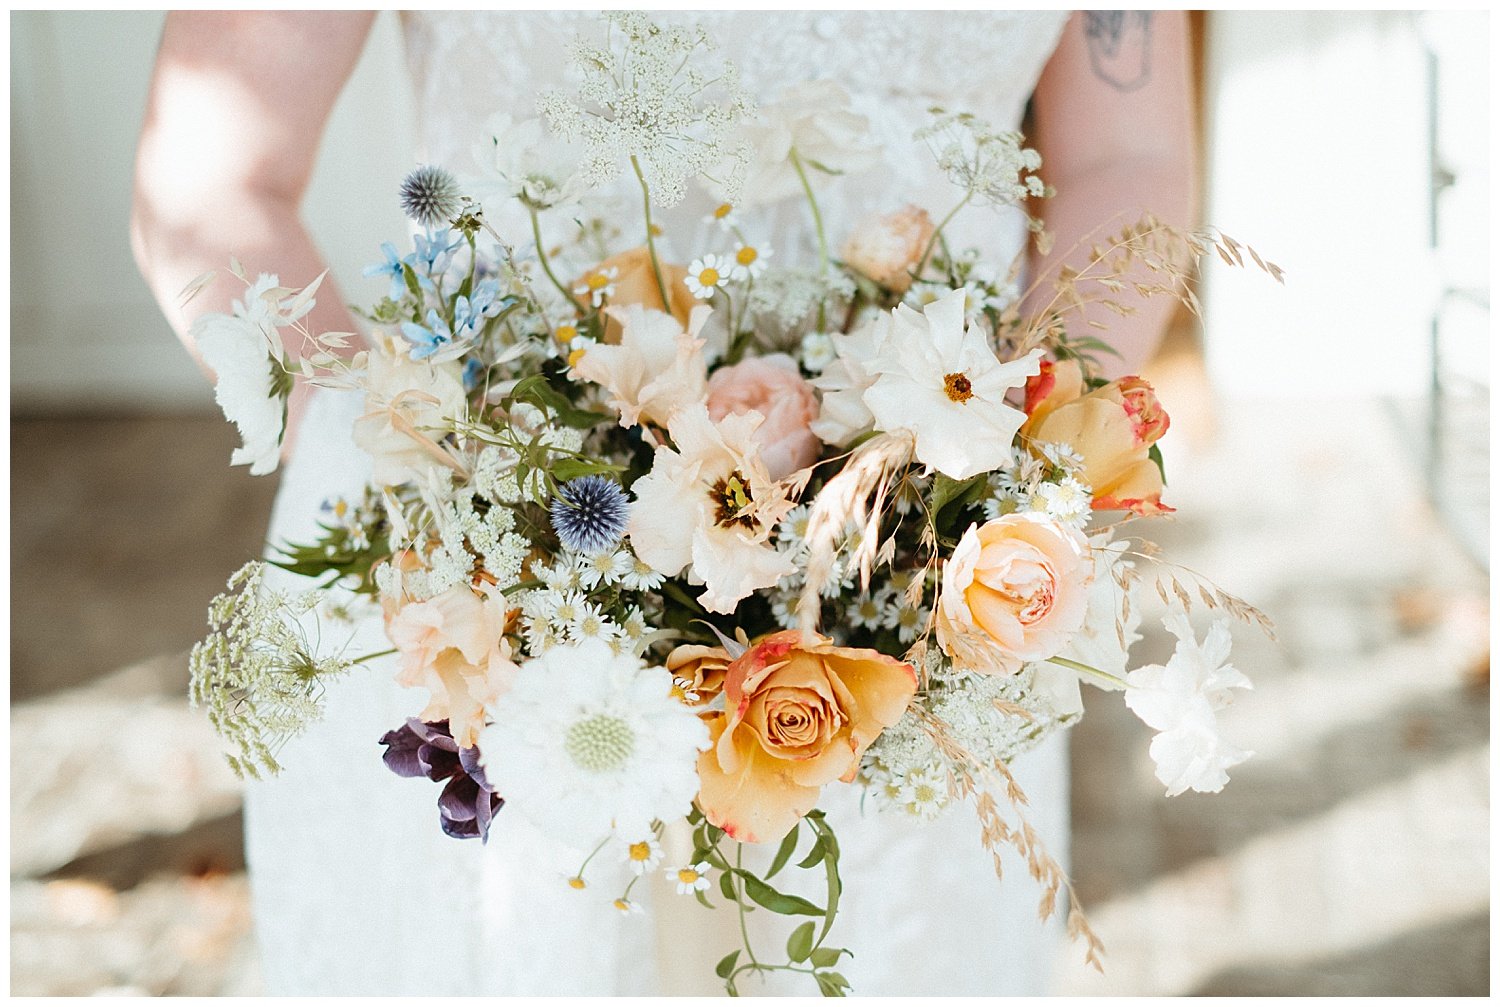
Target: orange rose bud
point(797, 715)
point(635, 283)
point(701, 669)
point(1112, 428)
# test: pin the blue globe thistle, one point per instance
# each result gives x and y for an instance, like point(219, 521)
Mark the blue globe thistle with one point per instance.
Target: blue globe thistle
point(590, 513)
point(430, 196)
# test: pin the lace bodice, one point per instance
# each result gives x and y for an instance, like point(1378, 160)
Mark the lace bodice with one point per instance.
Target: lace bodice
point(895, 65)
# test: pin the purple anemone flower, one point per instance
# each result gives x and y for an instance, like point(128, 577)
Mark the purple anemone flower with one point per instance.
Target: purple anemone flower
point(468, 803)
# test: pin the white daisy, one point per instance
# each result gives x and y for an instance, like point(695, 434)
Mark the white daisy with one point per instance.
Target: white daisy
point(598, 285)
point(628, 907)
point(588, 741)
point(723, 215)
point(690, 879)
point(749, 261)
point(592, 624)
point(642, 855)
point(707, 274)
point(866, 613)
point(250, 385)
point(909, 622)
point(641, 576)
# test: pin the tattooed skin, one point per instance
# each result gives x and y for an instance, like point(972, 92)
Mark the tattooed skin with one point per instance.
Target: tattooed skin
point(1119, 44)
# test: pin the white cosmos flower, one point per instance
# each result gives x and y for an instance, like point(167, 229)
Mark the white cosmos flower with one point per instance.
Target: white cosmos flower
point(657, 367)
point(525, 160)
point(938, 379)
point(1097, 644)
point(814, 120)
point(844, 381)
point(246, 385)
point(1180, 700)
point(708, 506)
point(589, 741)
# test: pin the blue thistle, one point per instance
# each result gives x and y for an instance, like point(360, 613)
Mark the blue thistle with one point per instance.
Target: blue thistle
point(430, 196)
point(590, 513)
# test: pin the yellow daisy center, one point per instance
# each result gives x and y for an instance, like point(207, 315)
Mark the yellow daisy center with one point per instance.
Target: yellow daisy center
point(745, 256)
point(622, 905)
point(722, 210)
point(687, 876)
point(640, 851)
point(567, 333)
point(709, 277)
point(598, 281)
point(575, 356)
point(577, 883)
point(958, 387)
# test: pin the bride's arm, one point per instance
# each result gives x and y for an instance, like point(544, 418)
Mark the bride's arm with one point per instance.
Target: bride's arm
point(1114, 123)
point(237, 106)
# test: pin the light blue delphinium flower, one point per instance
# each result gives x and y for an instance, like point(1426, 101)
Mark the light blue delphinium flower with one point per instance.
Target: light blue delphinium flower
point(391, 267)
point(434, 252)
point(429, 339)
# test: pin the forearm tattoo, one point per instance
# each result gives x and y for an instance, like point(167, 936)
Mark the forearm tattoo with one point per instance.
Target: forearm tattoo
point(1119, 44)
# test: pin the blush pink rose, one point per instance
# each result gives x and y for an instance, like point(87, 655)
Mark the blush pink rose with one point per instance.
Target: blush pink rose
point(774, 387)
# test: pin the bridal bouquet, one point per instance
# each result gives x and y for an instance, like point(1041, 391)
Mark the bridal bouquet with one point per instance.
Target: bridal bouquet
point(678, 546)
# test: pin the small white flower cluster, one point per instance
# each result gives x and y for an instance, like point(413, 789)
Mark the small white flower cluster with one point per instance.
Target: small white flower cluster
point(992, 718)
point(643, 99)
point(1047, 485)
point(497, 473)
point(788, 298)
point(990, 163)
point(468, 541)
point(561, 610)
point(983, 288)
point(791, 541)
point(355, 519)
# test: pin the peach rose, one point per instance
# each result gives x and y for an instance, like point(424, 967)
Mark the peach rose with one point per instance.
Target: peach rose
point(1112, 428)
point(635, 283)
point(797, 716)
point(701, 670)
point(888, 248)
point(774, 387)
point(454, 646)
point(1014, 590)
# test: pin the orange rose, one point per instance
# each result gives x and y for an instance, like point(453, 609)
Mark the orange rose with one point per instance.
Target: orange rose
point(797, 716)
point(1112, 428)
point(701, 669)
point(1014, 590)
point(635, 283)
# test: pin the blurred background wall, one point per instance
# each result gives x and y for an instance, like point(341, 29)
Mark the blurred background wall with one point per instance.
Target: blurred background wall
point(1328, 455)
point(78, 93)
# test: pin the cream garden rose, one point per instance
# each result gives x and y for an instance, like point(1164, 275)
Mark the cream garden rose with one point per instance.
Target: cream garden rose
point(888, 248)
point(1015, 590)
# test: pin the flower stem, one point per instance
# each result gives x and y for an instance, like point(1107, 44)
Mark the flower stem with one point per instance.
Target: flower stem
point(541, 255)
point(661, 286)
point(371, 657)
point(739, 902)
point(1089, 670)
point(938, 231)
point(813, 204)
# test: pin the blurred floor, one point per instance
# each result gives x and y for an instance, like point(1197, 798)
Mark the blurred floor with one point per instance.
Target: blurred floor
point(1350, 856)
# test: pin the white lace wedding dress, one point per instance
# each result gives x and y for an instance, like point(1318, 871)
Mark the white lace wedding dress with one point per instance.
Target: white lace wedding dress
point(357, 891)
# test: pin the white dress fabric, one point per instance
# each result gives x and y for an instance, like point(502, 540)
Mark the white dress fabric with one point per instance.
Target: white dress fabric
point(355, 888)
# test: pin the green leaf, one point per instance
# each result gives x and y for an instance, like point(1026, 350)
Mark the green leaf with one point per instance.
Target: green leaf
point(785, 851)
point(800, 944)
point(825, 957)
point(1155, 455)
point(831, 984)
point(726, 886)
point(951, 495)
point(778, 902)
point(726, 964)
point(815, 855)
point(703, 901)
point(410, 275)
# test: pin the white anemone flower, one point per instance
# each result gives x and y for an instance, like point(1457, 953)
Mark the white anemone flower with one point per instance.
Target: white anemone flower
point(843, 415)
point(523, 159)
point(938, 379)
point(655, 369)
point(590, 742)
point(1180, 700)
point(708, 506)
point(250, 385)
